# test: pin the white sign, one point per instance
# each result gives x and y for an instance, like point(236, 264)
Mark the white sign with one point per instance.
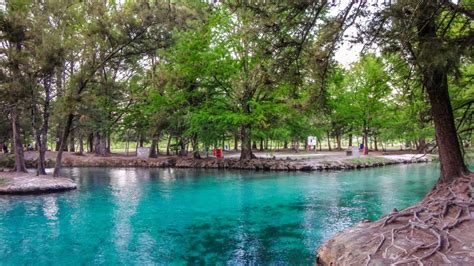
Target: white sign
point(312, 140)
point(143, 152)
point(355, 151)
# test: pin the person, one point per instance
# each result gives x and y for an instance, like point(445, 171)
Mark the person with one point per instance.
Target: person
point(4, 148)
point(361, 147)
point(30, 147)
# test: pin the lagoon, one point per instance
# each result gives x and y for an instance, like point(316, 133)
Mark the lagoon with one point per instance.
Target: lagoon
point(179, 216)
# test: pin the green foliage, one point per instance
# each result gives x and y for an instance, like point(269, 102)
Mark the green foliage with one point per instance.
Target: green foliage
point(199, 74)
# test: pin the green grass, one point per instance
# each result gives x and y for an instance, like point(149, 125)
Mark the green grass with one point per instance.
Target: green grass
point(365, 160)
point(469, 156)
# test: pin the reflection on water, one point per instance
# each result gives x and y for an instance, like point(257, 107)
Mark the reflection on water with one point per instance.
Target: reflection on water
point(148, 216)
point(50, 208)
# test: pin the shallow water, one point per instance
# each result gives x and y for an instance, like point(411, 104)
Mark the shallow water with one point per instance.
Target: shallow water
point(144, 216)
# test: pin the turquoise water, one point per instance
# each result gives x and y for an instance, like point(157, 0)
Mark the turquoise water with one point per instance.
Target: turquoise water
point(163, 216)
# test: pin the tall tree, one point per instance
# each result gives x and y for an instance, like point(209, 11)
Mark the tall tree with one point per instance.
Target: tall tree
point(16, 77)
point(119, 34)
point(433, 36)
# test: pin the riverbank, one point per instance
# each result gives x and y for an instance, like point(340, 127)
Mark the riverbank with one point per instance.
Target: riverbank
point(12, 183)
point(282, 161)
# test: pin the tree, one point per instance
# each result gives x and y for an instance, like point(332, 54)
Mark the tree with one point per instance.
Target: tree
point(118, 33)
point(369, 87)
point(266, 42)
point(433, 36)
point(15, 73)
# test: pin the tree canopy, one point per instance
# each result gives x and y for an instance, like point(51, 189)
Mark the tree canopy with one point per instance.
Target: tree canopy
point(200, 75)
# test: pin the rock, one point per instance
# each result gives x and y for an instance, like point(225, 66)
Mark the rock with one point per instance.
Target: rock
point(29, 183)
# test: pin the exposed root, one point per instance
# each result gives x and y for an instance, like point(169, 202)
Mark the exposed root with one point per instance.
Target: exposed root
point(423, 234)
point(431, 219)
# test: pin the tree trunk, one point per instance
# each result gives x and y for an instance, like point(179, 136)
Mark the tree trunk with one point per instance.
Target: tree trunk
point(90, 141)
point(100, 144)
point(60, 92)
point(154, 144)
point(329, 141)
point(350, 139)
point(236, 142)
point(261, 144)
point(182, 147)
point(72, 147)
point(338, 140)
point(141, 140)
point(168, 145)
point(296, 145)
point(421, 145)
point(246, 140)
point(450, 156)
point(81, 144)
point(59, 156)
point(435, 80)
point(20, 165)
point(285, 145)
point(109, 143)
point(41, 163)
point(58, 137)
point(43, 141)
point(365, 139)
point(127, 145)
point(195, 146)
point(375, 143)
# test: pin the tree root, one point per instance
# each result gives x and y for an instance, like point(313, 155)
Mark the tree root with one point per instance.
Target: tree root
point(422, 232)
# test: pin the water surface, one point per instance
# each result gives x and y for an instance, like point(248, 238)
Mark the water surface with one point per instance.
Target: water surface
point(145, 216)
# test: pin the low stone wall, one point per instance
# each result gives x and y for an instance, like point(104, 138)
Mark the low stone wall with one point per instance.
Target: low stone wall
point(227, 163)
point(254, 164)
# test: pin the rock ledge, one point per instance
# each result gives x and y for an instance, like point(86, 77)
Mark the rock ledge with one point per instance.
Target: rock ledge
point(29, 183)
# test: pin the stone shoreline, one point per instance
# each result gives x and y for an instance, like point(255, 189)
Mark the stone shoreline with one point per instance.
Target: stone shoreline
point(254, 164)
point(260, 164)
point(28, 183)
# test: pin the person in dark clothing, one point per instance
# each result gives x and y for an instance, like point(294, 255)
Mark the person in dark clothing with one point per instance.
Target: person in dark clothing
point(4, 148)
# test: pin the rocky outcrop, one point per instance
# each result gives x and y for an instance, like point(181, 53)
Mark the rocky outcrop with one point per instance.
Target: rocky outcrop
point(14, 184)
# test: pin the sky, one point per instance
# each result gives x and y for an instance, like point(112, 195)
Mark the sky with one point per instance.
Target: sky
point(347, 52)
